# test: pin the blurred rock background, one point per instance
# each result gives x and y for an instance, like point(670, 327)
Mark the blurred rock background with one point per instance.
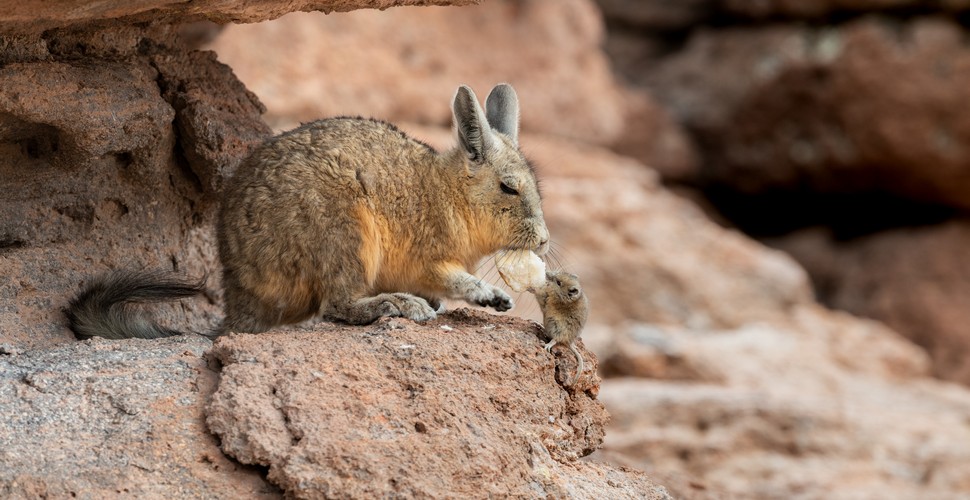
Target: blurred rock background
point(720, 173)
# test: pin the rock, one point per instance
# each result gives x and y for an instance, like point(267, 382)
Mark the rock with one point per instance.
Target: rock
point(404, 64)
point(819, 9)
point(785, 107)
point(92, 176)
point(914, 280)
point(99, 419)
point(657, 15)
point(34, 16)
point(653, 137)
point(217, 118)
point(330, 411)
point(336, 410)
point(825, 406)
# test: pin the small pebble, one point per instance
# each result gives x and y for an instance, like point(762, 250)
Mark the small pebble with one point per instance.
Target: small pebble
point(446, 328)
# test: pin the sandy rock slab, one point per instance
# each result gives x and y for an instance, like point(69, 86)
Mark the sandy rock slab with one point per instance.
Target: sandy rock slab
point(99, 419)
point(826, 406)
point(467, 405)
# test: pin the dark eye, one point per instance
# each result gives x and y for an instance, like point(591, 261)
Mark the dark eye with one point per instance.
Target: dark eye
point(508, 189)
point(558, 283)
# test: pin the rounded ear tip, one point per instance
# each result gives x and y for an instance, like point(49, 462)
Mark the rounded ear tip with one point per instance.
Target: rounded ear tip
point(503, 88)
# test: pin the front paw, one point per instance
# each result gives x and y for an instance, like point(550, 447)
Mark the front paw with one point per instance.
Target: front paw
point(490, 296)
point(415, 308)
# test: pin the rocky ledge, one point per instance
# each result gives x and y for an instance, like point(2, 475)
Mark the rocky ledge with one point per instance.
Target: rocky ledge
point(469, 404)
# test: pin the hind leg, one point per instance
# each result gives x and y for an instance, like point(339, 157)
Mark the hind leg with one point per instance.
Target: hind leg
point(245, 314)
point(248, 313)
point(368, 309)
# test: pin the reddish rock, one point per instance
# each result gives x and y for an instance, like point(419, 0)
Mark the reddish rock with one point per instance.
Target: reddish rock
point(465, 405)
point(405, 64)
point(393, 408)
point(35, 16)
point(671, 16)
point(785, 107)
point(657, 15)
point(914, 280)
point(815, 9)
point(93, 170)
point(217, 125)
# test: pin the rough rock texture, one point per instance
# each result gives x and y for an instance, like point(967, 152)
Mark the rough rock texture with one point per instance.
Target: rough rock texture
point(340, 421)
point(914, 280)
point(466, 405)
point(34, 16)
point(95, 175)
point(335, 411)
point(100, 419)
point(405, 64)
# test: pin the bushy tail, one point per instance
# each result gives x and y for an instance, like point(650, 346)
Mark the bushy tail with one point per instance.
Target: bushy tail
point(103, 309)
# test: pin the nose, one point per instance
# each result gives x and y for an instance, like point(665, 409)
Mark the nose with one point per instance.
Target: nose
point(543, 240)
point(543, 246)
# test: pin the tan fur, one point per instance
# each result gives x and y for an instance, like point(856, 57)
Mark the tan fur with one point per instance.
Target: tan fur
point(565, 310)
point(351, 219)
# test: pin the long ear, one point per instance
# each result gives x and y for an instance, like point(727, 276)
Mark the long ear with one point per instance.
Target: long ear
point(472, 129)
point(502, 111)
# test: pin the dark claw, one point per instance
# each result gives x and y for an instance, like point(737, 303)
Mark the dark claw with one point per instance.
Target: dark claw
point(501, 304)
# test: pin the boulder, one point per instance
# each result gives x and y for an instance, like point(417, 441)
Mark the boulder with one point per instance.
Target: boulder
point(467, 404)
point(825, 406)
point(100, 419)
point(914, 280)
point(114, 142)
point(789, 108)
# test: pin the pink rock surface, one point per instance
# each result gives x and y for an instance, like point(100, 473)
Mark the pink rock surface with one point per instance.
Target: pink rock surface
point(405, 64)
point(465, 405)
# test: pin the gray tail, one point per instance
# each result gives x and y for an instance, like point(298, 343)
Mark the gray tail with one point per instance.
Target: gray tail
point(104, 309)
